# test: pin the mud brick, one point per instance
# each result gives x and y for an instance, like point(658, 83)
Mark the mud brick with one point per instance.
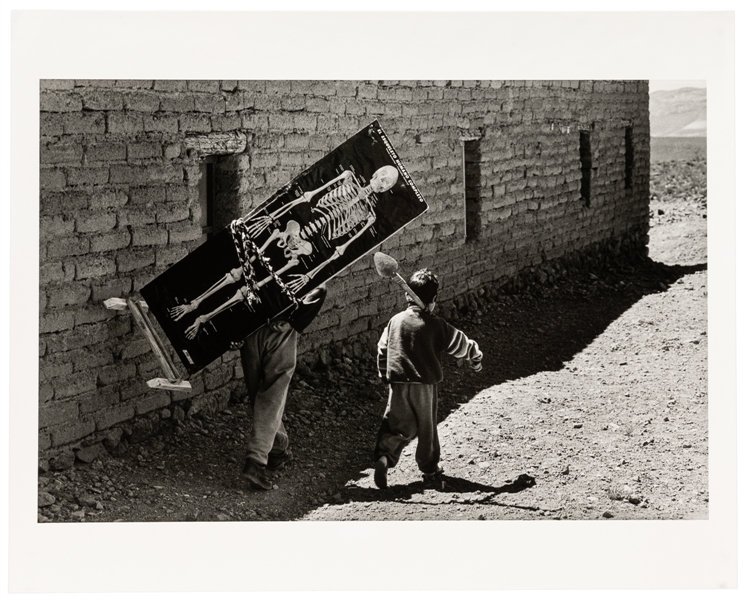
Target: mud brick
point(150, 235)
point(97, 222)
point(216, 377)
point(169, 85)
point(91, 314)
point(172, 214)
point(116, 240)
point(195, 123)
point(255, 122)
point(279, 87)
point(164, 123)
point(204, 85)
point(114, 288)
point(103, 398)
point(147, 195)
point(238, 101)
point(84, 123)
point(152, 401)
point(124, 123)
point(177, 103)
point(105, 152)
point(52, 179)
point(145, 174)
point(67, 101)
point(57, 321)
point(101, 99)
point(133, 389)
point(182, 193)
point(225, 122)
point(87, 176)
point(112, 374)
point(171, 151)
point(141, 101)
point(46, 392)
point(55, 366)
point(55, 272)
point(44, 441)
point(51, 124)
point(105, 199)
point(109, 417)
point(134, 348)
point(179, 233)
point(296, 142)
point(95, 355)
point(297, 159)
point(94, 266)
point(73, 385)
point(68, 294)
point(55, 226)
point(144, 150)
point(366, 91)
point(131, 259)
point(281, 122)
point(192, 174)
point(61, 153)
point(55, 413)
point(56, 84)
point(209, 103)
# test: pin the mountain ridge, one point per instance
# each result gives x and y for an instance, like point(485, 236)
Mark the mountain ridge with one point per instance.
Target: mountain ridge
point(679, 113)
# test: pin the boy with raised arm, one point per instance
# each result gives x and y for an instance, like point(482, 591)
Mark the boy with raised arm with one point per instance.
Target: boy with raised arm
point(409, 355)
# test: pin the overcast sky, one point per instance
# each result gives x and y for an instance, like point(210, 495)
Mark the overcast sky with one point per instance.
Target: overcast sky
point(674, 84)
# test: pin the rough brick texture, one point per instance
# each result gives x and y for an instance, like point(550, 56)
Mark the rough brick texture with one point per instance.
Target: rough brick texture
point(119, 179)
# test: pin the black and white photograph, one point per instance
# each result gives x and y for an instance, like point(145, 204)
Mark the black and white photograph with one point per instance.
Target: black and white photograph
point(355, 302)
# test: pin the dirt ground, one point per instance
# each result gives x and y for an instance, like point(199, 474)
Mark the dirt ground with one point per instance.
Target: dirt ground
point(592, 404)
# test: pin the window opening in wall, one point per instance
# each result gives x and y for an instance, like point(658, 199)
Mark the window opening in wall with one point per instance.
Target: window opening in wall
point(586, 166)
point(629, 158)
point(472, 188)
point(207, 197)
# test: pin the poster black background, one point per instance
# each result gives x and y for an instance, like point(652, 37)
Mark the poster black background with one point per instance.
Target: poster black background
point(363, 154)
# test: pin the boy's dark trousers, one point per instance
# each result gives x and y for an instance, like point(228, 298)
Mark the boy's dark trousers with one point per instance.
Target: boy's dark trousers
point(412, 411)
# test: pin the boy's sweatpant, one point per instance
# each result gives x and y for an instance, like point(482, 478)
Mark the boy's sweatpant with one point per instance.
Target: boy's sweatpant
point(268, 359)
point(412, 411)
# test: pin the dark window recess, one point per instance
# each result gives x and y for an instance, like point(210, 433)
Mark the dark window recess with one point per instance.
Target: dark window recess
point(207, 197)
point(472, 189)
point(586, 166)
point(629, 159)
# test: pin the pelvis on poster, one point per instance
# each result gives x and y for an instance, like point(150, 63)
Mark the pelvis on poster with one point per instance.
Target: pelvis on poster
point(262, 266)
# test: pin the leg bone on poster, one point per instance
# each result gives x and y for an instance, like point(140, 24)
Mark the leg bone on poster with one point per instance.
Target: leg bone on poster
point(262, 265)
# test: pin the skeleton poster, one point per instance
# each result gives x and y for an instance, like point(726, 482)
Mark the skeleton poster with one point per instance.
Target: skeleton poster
point(263, 264)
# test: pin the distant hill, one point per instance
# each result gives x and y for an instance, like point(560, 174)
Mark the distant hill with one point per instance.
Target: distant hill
point(679, 113)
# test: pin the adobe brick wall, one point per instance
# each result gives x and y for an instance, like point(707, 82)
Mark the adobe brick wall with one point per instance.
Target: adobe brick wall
point(119, 170)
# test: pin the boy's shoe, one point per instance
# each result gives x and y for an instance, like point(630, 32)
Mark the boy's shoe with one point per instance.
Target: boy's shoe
point(256, 476)
point(379, 475)
point(434, 477)
point(275, 462)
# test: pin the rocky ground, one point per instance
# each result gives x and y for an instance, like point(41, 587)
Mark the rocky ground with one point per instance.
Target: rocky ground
point(592, 405)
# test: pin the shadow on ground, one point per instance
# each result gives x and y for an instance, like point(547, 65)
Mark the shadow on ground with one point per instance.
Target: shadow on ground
point(538, 329)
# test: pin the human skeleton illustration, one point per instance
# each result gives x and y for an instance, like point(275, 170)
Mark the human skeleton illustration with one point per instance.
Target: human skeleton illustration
point(344, 210)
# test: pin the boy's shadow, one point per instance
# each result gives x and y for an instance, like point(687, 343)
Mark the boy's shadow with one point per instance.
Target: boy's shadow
point(445, 484)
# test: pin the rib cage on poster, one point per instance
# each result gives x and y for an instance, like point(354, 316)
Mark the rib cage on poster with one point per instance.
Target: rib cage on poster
point(264, 263)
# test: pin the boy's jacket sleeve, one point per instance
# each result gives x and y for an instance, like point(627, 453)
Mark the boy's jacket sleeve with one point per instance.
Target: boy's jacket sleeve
point(461, 346)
